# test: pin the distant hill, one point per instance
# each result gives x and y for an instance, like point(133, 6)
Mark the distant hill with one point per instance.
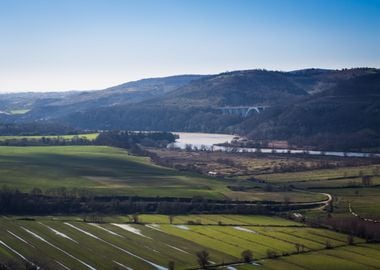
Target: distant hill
point(46, 106)
point(195, 106)
point(307, 107)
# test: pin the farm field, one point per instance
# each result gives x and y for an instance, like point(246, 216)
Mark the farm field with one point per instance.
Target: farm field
point(364, 201)
point(363, 256)
point(243, 165)
point(68, 242)
point(344, 184)
point(112, 171)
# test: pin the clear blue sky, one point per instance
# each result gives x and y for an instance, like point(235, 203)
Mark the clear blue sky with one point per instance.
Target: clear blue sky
point(92, 44)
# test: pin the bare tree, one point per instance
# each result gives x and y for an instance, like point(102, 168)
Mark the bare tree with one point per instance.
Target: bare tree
point(271, 253)
point(366, 180)
point(203, 258)
point(134, 218)
point(247, 256)
point(171, 265)
point(286, 200)
point(328, 244)
point(171, 219)
point(350, 239)
point(298, 247)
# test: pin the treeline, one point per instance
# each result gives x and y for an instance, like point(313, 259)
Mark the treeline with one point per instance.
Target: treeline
point(349, 225)
point(127, 139)
point(66, 201)
point(36, 129)
point(47, 141)
point(123, 139)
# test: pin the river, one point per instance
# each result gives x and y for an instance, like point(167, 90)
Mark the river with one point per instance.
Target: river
point(209, 141)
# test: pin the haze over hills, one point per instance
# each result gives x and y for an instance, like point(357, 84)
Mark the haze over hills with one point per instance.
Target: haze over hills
point(44, 106)
point(304, 106)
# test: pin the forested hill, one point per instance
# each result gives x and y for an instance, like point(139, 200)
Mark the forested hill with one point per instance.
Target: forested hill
point(345, 116)
point(310, 106)
point(239, 88)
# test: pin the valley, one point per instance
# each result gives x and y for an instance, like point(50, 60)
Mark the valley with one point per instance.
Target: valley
point(190, 135)
point(266, 170)
point(291, 209)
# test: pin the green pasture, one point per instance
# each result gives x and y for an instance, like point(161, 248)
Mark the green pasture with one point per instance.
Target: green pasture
point(100, 169)
point(112, 171)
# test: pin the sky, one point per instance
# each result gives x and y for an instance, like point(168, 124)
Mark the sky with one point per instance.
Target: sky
point(61, 45)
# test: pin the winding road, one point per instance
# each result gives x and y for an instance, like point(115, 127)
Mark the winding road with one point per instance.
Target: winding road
point(362, 218)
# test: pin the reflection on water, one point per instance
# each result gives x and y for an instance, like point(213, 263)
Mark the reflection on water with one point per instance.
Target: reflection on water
point(201, 139)
point(208, 141)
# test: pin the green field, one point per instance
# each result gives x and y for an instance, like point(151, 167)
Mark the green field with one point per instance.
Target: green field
point(112, 171)
point(100, 169)
point(363, 256)
point(365, 200)
point(89, 136)
point(69, 242)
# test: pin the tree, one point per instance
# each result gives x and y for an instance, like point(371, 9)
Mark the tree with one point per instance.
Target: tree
point(135, 218)
point(188, 147)
point(375, 171)
point(36, 191)
point(350, 239)
point(171, 219)
point(271, 253)
point(330, 208)
point(171, 265)
point(203, 258)
point(298, 247)
point(286, 201)
point(366, 180)
point(247, 256)
point(328, 244)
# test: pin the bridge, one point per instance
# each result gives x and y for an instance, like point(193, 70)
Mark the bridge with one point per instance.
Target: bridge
point(243, 111)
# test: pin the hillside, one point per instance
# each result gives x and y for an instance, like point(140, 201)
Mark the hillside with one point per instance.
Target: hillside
point(306, 107)
point(346, 116)
point(196, 106)
point(238, 88)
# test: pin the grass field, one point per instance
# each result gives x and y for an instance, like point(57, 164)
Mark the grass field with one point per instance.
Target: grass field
point(69, 242)
point(103, 170)
point(90, 136)
point(112, 171)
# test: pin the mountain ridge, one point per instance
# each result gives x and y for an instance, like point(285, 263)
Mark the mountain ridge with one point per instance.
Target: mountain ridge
point(196, 102)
